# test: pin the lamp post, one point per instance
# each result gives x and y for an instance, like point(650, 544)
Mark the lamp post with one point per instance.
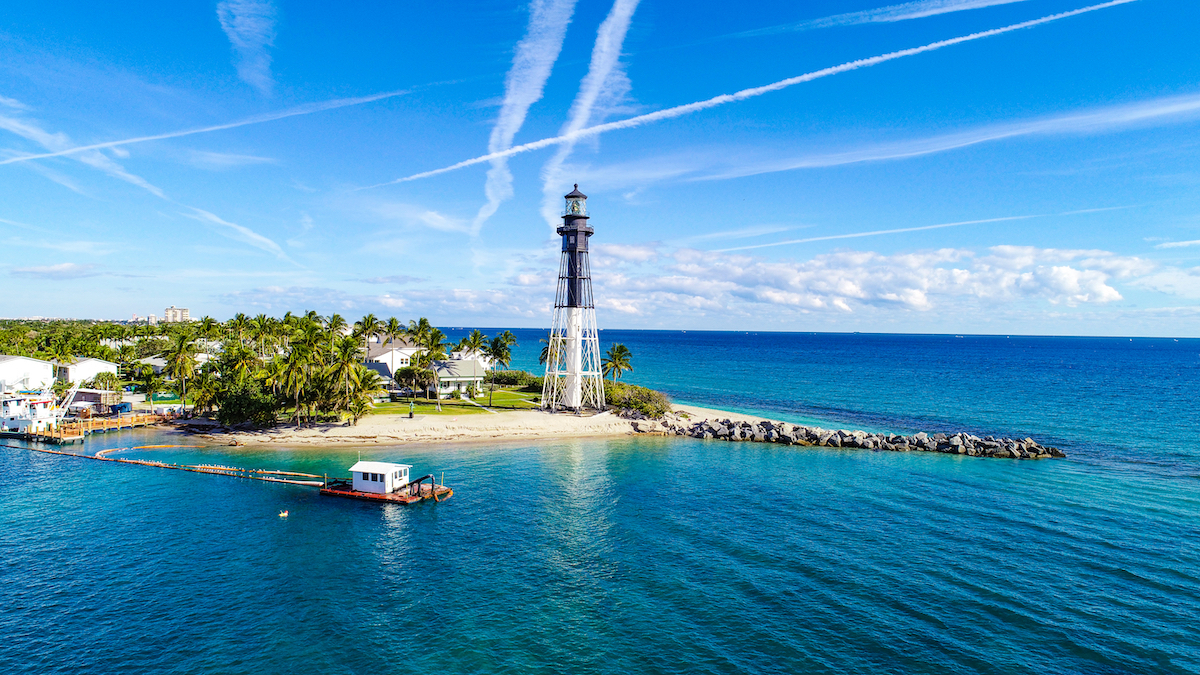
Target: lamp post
point(573, 377)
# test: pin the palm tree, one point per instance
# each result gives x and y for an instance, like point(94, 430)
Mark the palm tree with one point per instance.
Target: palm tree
point(334, 325)
point(239, 325)
point(260, 330)
point(418, 330)
point(181, 361)
point(151, 384)
point(207, 329)
point(297, 374)
point(548, 355)
point(368, 327)
point(476, 343)
point(393, 329)
point(344, 370)
point(500, 354)
point(617, 360)
point(433, 349)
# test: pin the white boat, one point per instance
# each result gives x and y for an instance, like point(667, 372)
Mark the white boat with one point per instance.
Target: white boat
point(27, 412)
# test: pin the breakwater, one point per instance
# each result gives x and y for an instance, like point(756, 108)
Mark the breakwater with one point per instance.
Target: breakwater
point(681, 423)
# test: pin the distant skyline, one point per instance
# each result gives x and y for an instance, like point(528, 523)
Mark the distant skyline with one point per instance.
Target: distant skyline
point(937, 166)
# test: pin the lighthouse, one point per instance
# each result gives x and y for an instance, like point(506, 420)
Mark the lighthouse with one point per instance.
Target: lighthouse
point(573, 377)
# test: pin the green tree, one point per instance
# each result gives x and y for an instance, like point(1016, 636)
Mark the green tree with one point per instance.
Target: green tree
point(500, 353)
point(617, 361)
point(369, 326)
point(475, 343)
point(181, 362)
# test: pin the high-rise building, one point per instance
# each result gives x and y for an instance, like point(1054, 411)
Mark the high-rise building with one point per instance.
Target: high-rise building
point(573, 376)
point(175, 314)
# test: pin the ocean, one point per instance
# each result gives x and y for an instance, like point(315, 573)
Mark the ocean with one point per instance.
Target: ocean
point(659, 555)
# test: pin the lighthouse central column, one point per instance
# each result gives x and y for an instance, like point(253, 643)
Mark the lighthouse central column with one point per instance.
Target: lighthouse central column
point(573, 383)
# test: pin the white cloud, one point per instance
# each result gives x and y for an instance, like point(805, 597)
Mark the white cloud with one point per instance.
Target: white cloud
point(238, 232)
point(218, 161)
point(627, 252)
point(1179, 244)
point(1175, 281)
point(58, 272)
point(250, 27)
point(413, 215)
point(12, 103)
point(56, 142)
point(397, 279)
point(848, 281)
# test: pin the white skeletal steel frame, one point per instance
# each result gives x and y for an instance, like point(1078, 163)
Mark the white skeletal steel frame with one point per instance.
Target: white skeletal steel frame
point(574, 379)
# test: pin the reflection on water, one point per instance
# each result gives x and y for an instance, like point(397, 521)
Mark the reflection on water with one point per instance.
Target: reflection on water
point(620, 555)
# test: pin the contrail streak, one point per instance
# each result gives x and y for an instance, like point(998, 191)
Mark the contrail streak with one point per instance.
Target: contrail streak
point(257, 119)
point(603, 72)
point(532, 63)
point(855, 235)
point(875, 232)
point(679, 111)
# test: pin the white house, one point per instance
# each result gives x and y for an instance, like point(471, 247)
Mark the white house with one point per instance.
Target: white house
point(158, 364)
point(22, 372)
point(396, 355)
point(465, 355)
point(457, 376)
point(83, 368)
point(379, 477)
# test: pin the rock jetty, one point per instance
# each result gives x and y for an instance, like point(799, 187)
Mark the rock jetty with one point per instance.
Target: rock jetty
point(766, 431)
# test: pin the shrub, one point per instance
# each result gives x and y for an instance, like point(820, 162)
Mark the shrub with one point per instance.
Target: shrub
point(650, 403)
point(515, 378)
point(247, 401)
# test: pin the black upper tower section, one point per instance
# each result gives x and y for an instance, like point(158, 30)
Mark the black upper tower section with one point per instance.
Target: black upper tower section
point(575, 272)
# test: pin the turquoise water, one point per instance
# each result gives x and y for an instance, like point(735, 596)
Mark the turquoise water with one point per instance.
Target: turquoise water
point(654, 554)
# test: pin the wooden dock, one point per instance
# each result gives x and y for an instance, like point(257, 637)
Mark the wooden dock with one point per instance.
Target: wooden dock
point(70, 432)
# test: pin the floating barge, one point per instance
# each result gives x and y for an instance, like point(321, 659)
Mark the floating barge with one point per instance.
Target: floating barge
point(386, 482)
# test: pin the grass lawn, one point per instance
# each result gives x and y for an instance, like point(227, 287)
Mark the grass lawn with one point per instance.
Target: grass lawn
point(502, 400)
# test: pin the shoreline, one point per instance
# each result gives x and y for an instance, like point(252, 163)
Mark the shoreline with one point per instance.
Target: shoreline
point(684, 420)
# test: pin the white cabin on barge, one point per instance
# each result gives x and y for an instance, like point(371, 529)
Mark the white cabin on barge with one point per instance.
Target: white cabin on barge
point(27, 413)
point(379, 477)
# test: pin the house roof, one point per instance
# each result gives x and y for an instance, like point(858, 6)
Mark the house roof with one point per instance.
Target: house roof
point(4, 358)
point(459, 369)
point(80, 359)
point(376, 349)
point(380, 368)
point(378, 467)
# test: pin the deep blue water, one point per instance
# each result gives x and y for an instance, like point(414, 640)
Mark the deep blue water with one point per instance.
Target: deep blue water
point(660, 555)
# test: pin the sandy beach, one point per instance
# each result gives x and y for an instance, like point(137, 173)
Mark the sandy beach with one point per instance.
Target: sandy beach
point(446, 428)
point(436, 428)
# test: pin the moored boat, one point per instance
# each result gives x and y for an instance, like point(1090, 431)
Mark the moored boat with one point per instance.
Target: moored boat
point(386, 482)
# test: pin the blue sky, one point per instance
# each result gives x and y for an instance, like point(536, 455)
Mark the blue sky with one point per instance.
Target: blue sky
point(1008, 166)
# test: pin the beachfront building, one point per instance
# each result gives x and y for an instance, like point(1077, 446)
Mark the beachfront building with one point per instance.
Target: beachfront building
point(81, 369)
point(379, 477)
point(464, 355)
point(396, 354)
point(25, 373)
point(159, 364)
point(384, 373)
point(457, 377)
point(573, 376)
point(175, 314)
